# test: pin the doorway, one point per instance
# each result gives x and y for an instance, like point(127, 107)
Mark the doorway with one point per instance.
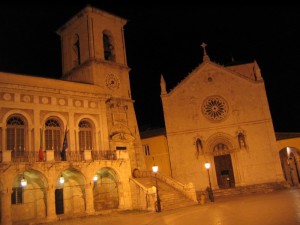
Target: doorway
point(224, 171)
point(59, 201)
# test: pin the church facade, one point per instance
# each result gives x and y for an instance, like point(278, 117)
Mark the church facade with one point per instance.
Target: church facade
point(68, 146)
point(220, 115)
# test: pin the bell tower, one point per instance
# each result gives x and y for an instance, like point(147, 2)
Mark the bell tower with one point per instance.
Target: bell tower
point(93, 51)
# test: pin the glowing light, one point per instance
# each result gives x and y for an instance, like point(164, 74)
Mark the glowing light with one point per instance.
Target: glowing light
point(155, 169)
point(207, 165)
point(61, 179)
point(95, 178)
point(23, 182)
point(288, 150)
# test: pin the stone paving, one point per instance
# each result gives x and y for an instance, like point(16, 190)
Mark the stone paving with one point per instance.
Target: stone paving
point(275, 208)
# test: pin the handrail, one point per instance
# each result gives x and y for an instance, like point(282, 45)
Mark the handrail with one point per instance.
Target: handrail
point(147, 198)
point(187, 189)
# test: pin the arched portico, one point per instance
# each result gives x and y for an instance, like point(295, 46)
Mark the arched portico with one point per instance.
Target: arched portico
point(290, 158)
point(70, 192)
point(28, 198)
point(106, 189)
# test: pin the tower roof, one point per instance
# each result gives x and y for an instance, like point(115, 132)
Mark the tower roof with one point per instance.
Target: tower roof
point(90, 10)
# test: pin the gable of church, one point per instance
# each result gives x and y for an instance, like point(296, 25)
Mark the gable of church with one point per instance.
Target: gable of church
point(213, 94)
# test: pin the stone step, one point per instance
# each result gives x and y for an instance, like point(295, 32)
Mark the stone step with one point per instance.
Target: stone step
point(170, 197)
point(243, 190)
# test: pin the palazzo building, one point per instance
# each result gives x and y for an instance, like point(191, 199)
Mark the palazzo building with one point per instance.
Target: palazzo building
point(68, 146)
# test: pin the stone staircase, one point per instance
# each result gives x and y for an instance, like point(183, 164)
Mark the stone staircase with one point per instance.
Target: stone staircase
point(244, 190)
point(169, 196)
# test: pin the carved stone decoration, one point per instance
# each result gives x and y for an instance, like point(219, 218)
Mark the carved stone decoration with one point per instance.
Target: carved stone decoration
point(93, 105)
point(121, 133)
point(62, 101)
point(122, 137)
point(78, 103)
point(45, 100)
point(7, 97)
point(215, 108)
point(112, 81)
point(26, 98)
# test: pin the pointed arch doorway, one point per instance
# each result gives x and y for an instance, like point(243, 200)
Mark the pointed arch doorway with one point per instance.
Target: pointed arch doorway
point(224, 171)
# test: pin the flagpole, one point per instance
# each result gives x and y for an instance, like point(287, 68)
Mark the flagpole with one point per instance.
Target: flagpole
point(65, 146)
point(41, 154)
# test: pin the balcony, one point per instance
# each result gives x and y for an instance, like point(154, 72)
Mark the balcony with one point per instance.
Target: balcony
point(51, 155)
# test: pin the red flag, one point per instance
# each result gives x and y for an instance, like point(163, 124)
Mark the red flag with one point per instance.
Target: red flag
point(41, 154)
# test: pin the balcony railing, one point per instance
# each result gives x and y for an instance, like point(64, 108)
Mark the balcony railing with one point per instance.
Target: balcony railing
point(24, 156)
point(75, 156)
point(104, 155)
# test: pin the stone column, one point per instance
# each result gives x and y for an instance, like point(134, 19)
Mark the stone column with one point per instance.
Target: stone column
point(51, 214)
point(6, 207)
point(89, 199)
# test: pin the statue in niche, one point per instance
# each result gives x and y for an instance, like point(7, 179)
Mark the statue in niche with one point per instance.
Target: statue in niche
point(199, 147)
point(241, 140)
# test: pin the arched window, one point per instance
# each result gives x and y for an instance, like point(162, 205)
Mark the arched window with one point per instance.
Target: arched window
point(53, 136)
point(76, 50)
point(85, 135)
point(108, 46)
point(15, 134)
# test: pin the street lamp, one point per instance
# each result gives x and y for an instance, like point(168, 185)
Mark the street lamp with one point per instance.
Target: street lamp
point(61, 179)
point(209, 189)
point(23, 181)
point(158, 208)
point(95, 178)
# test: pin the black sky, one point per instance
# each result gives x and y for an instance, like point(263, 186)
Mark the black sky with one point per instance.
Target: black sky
point(166, 39)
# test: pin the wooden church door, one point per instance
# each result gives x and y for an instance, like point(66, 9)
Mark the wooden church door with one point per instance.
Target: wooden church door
point(224, 171)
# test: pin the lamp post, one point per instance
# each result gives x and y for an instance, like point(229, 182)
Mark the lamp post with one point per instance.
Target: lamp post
point(209, 189)
point(158, 208)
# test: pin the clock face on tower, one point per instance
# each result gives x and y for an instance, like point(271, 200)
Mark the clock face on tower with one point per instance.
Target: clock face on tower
point(112, 81)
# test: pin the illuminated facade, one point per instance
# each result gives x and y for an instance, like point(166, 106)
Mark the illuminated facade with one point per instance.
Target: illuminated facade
point(80, 129)
point(220, 114)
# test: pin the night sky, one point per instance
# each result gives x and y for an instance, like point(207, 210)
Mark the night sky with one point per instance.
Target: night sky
point(166, 39)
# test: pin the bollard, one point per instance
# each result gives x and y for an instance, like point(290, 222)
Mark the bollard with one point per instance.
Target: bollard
point(202, 198)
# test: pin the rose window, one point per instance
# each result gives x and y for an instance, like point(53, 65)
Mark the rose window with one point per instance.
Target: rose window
point(214, 108)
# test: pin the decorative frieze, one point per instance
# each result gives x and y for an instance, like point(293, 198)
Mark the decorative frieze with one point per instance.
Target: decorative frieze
point(62, 101)
point(26, 98)
point(7, 96)
point(45, 100)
